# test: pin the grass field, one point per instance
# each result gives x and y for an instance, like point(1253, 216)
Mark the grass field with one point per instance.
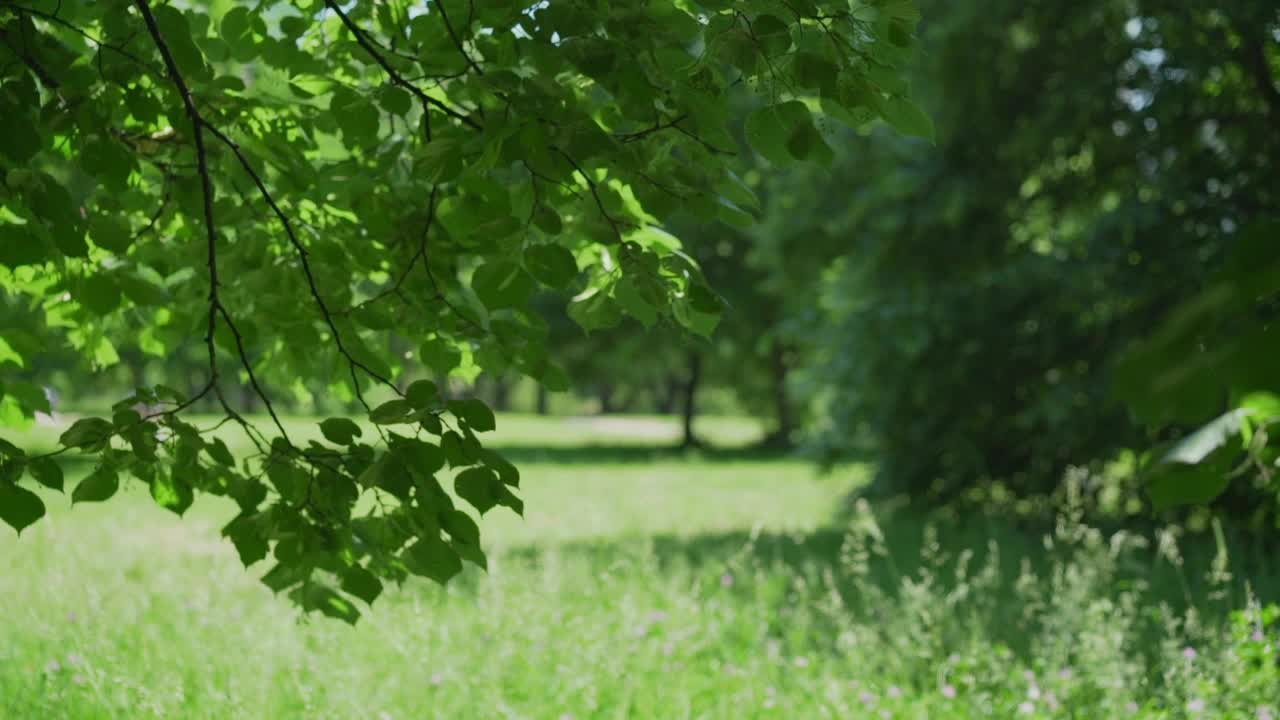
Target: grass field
point(646, 583)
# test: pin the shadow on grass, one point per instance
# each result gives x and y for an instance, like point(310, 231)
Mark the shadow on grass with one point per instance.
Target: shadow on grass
point(799, 568)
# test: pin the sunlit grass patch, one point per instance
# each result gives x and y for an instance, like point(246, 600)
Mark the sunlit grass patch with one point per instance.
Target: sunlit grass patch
point(646, 584)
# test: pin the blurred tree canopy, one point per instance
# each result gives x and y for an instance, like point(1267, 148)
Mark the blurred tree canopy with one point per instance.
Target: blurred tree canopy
point(1096, 165)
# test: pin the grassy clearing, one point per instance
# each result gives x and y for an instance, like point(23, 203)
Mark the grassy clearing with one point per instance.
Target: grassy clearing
point(648, 584)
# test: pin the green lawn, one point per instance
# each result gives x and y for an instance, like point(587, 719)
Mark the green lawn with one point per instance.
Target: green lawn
point(643, 583)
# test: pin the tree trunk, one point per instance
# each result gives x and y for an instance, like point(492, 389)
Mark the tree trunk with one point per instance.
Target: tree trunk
point(604, 392)
point(248, 398)
point(501, 394)
point(542, 400)
point(136, 363)
point(782, 432)
point(690, 398)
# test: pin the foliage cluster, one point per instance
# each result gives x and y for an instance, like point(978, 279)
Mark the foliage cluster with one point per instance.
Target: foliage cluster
point(312, 191)
point(1086, 263)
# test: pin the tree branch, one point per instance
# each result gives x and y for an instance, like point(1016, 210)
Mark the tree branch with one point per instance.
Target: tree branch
point(49, 17)
point(426, 266)
point(657, 127)
point(595, 193)
point(216, 308)
point(202, 168)
point(302, 254)
point(1254, 59)
point(30, 61)
point(396, 77)
point(418, 253)
point(457, 41)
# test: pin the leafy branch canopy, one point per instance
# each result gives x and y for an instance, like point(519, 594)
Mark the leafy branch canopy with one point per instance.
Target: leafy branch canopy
point(300, 189)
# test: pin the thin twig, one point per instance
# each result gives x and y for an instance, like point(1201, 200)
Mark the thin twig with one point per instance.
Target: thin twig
point(82, 33)
point(656, 127)
point(216, 308)
point(395, 76)
point(595, 193)
point(31, 62)
point(457, 41)
point(302, 254)
point(202, 166)
point(418, 254)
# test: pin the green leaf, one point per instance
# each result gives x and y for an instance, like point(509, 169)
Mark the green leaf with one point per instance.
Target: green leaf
point(245, 532)
point(361, 583)
point(440, 355)
point(466, 536)
point(460, 527)
point(703, 299)
point(480, 487)
point(432, 558)
point(8, 354)
point(702, 323)
point(596, 311)
point(392, 412)
point(508, 499)
point(141, 291)
point(100, 295)
point(395, 100)
point(907, 118)
point(357, 117)
point(630, 299)
point(177, 35)
point(171, 491)
point(451, 446)
point(1180, 484)
point(1261, 405)
point(551, 265)
point(316, 596)
point(47, 472)
point(87, 433)
point(20, 246)
point(19, 507)
point(340, 431)
point(285, 574)
point(477, 415)
point(97, 486)
point(509, 474)
point(421, 458)
point(773, 35)
point(111, 233)
point(234, 24)
point(288, 479)
point(785, 132)
point(220, 453)
point(733, 215)
point(1195, 470)
point(1203, 442)
point(422, 394)
point(502, 284)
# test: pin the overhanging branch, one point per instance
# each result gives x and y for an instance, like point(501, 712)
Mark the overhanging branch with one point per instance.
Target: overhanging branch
point(423, 98)
point(216, 307)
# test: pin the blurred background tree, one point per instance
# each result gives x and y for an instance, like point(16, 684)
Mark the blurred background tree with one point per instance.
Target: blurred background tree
point(1095, 166)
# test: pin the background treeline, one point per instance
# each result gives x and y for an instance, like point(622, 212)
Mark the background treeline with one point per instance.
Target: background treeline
point(955, 310)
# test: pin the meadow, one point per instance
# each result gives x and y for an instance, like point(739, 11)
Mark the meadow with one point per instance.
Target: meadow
point(650, 583)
